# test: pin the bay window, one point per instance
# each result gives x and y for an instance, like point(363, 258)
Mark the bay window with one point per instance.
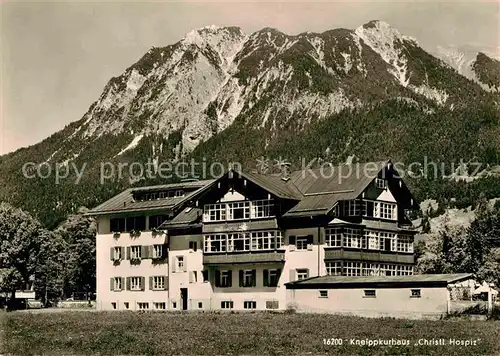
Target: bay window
point(238, 242)
point(334, 268)
point(238, 210)
point(333, 237)
point(215, 243)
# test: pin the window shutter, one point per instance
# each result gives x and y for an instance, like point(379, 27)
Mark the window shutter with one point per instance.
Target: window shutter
point(128, 252)
point(307, 272)
point(128, 283)
point(254, 278)
point(205, 275)
point(144, 252)
point(150, 283)
point(112, 253)
point(111, 284)
point(230, 278)
point(165, 285)
point(174, 265)
point(266, 278)
point(165, 251)
point(185, 264)
point(191, 277)
point(150, 251)
point(143, 282)
point(217, 278)
point(291, 243)
point(123, 283)
point(292, 275)
point(122, 252)
point(241, 277)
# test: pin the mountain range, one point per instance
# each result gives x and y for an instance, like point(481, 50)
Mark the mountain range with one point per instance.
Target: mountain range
point(222, 95)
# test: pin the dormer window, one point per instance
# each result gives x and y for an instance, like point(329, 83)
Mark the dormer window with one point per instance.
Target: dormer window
point(381, 183)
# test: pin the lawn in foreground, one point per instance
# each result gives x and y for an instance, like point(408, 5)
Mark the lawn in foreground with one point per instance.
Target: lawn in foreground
point(85, 332)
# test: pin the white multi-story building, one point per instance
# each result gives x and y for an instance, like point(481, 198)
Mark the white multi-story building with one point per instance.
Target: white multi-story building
point(233, 243)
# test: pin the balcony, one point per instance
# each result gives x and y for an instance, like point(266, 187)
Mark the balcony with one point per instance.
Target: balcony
point(367, 255)
point(246, 257)
point(238, 210)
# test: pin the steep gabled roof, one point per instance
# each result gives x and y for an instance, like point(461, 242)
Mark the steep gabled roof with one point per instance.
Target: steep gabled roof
point(273, 184)
point(187, 217)
point(323, 188)
point(124, 202)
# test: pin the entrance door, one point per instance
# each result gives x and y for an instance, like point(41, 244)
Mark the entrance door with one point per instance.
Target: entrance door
point(184, 298)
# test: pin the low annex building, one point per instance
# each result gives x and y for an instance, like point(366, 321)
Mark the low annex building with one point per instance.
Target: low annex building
point(415, 296)
point(235, 242)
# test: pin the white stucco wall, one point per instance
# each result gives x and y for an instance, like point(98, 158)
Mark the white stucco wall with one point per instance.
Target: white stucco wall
point(106, 269)
point(390, 302)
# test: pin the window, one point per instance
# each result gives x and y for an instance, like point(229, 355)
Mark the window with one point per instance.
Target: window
point(248, 278)
point(174, 305)
point(117, 253)
point(223, 279)
point(279, 239)
point(387, 241)
point(226, 304)
point(352, 238)
point(117, 283)
point(156, 220)
point(215, 243)
point(137, 223)
point(117, 225)
point(126, 305)
point(135, 283)
point(370, 269)
point(179, 264)
point(352, 268)
point(262, 208)
point(158, 282)
point(302, 274)
point(158, 252)
point(381, 183)
point(238, 210)
point(238, 242)
point(415, 293)
point(271, 277)
point(160, 305)
point(304, 242)
point(193, 245)
point(323, 294)
point(385, 211)
point(200, 305)
point(333, 237)
point(403, 270)
point(372, 237)
point(214, 212)
point(352, 208)
point(405, 243)
point(272, 304)
point(113, 305)
point(388, 269)
point(135, 252)
point(142, 306)
point(248, 304)
point(334, 268)
point(368, 208)
point(370, 293)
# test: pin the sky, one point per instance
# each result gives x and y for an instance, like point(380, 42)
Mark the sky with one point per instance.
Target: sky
point(56, 57)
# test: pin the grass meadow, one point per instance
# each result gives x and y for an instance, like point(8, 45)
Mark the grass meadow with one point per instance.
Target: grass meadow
point(157, 333)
